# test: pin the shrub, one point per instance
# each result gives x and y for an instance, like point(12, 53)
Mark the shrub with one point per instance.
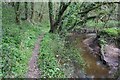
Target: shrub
point(111, 31)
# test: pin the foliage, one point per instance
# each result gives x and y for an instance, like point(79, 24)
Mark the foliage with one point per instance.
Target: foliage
point(93, 24)
point(17, 49)
point(17, 44)
point(102, 41)
point(47, 61)
point(71, 16)
point(108, 35)
point(111, 31)
point(18, 40)
point(55, 56)
point(73, 56)
point(100, 24)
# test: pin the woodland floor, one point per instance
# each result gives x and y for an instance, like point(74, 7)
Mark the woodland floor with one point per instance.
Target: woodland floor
point(33, 70)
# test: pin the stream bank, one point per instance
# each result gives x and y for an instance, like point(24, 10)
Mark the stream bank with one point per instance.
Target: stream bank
point(95, 67)
point(98, 65)
point(107, 52)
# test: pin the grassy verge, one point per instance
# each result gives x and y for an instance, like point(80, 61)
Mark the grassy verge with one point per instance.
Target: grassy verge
point(47, 62)
point(55, 59)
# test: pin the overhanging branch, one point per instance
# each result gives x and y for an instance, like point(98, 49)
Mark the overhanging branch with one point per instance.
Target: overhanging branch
point(61, 13)
point(88, 10)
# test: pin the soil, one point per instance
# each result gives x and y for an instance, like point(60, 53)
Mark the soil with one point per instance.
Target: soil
point(33, 70)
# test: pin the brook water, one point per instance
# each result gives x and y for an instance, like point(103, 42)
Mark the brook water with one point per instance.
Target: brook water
point(95, 68)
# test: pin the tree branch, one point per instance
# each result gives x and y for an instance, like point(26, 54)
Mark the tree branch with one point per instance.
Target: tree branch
point(61, 13)
point(90, 9)
point(81, 22)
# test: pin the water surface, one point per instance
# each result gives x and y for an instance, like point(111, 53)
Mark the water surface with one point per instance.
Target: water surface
point(95, 68)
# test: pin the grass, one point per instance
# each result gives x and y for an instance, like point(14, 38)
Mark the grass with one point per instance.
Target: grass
point(17, 48)
point(54, 57)
point(17, 43)
point(48, 64)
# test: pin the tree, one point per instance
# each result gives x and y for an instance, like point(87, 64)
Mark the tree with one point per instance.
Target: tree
point(87, 9)
point(40, 14)
point(55, 23)
point(12, 3)
point(32, 10)
point(118, 14)
point(17, 12)
point(62, 9)
point(51, 16)
point(26, 10)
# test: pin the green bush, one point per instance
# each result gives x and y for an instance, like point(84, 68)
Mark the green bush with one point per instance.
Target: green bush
point(111, 31)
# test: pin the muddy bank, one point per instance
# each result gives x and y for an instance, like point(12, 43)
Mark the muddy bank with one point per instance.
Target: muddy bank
point(108, 53)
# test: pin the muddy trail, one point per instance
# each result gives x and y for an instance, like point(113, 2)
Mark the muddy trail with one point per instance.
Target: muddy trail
point(33, 70)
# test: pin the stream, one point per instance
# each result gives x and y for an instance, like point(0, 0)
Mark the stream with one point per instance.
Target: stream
point(95, 68)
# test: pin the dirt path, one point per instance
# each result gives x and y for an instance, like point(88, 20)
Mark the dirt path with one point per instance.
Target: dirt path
point(33, 70)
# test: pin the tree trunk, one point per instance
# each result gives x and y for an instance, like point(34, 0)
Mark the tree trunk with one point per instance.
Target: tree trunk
point(12, 4)
point(26, 10)
point(60, 27)
point(40, 15)
point(54, 25)
point(32, 10)
point(17, 12)
point(51, 17)
point(118, 14)
point(60, 14)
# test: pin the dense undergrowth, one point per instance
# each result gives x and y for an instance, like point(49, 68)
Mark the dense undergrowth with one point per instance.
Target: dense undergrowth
point(109, 35)
point(47, 61)
point(17, 49)
point(55, 59)
point(17, 44)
